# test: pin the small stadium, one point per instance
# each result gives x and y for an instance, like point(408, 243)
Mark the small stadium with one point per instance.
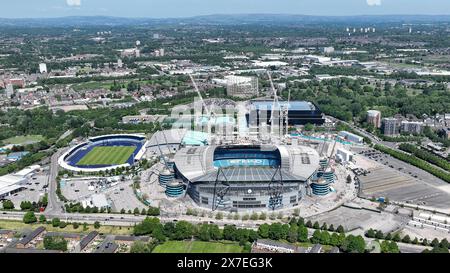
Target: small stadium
point(104, 152)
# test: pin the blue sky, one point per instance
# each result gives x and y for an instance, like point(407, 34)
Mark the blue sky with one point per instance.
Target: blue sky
point(186, 8)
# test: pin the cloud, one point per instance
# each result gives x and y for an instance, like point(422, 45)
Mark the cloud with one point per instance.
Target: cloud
point(73, 3)
point(374, 2)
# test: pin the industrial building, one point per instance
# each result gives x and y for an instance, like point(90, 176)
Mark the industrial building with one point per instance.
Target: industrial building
point(13, 183)
point(351, 137)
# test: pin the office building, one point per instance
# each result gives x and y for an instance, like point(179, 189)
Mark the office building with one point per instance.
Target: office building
point(390, 126)
point(412, 127)
point(374, 118)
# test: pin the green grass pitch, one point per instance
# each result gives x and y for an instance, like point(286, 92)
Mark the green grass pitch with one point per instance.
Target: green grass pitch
point(197, 247)
point(113, 155)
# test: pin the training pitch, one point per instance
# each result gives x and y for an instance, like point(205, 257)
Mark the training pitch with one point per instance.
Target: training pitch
point(197, 247)
point(113, 155)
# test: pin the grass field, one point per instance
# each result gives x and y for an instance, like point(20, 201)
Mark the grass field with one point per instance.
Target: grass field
point(18, 226)
point(23, 139)
point(197, 247)
point(113, 155)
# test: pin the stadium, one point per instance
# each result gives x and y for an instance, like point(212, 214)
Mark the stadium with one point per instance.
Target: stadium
point(103, 153)
point(233, 177)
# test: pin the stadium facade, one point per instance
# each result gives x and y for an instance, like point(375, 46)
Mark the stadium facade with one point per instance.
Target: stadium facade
point(243, 177)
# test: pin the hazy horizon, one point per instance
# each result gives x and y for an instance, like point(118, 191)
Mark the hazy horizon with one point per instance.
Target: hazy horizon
point(23, 9)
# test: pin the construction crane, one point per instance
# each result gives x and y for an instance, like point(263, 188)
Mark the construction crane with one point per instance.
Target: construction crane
point(275, 104)
point(209, 114)
point(286, 115)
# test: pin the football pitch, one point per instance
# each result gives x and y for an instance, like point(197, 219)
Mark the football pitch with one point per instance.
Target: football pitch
point(197, 247)
point(113, 155)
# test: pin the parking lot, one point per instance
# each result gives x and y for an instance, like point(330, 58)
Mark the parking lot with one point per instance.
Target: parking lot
point(402, 167)
point(123, 198)
point(352, 219)
point(399, 181)
point(36, 188)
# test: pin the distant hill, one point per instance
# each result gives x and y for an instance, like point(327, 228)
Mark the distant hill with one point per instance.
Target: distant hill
point(219, 19)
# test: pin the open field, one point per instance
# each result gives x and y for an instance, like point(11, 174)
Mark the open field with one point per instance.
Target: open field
point(197, 247)
point(17, 225)
point(107, 155)
point(23, 139)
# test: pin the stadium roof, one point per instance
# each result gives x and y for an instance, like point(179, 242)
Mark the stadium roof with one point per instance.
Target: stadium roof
point(197, 164)
point(248, 174)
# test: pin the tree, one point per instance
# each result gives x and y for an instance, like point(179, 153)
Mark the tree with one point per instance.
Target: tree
point(75, 225)
point(353, 244)
point(215, 232)
point(29, 218)
point(55, 222)
point(263, 231)
point(96, 224)
point(331, 228)
point(396, 237)
point(143, 211)
point(316, 225)
point(122, 211)
point(388, 236)
point(8, 205)
point(340, 229)
point(379, 234)
point(25, 205)
point(316, 237)
point(292, 235)
point(335, 240)
point(389, 247)
point(324, 226)
point(300, 221)
point(219, 216)
point(55, 243)
point(406, 239)
point(435, 242)
point(444, 243)
point(203, 233)
point(42, 218)
point(308, 127)
point(262, 216)
point(229, 233)
point(141, 247)
point(302, 234)
point(136, 211)
point(276, 231)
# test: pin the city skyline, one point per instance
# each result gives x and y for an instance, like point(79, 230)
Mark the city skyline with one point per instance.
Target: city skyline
point(190, 8)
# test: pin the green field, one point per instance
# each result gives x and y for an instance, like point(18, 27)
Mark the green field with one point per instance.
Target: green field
point(113, 155)
point(197, 247)
point(23, 139)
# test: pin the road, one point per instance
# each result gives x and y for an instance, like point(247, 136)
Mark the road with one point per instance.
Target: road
point(54, 204)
